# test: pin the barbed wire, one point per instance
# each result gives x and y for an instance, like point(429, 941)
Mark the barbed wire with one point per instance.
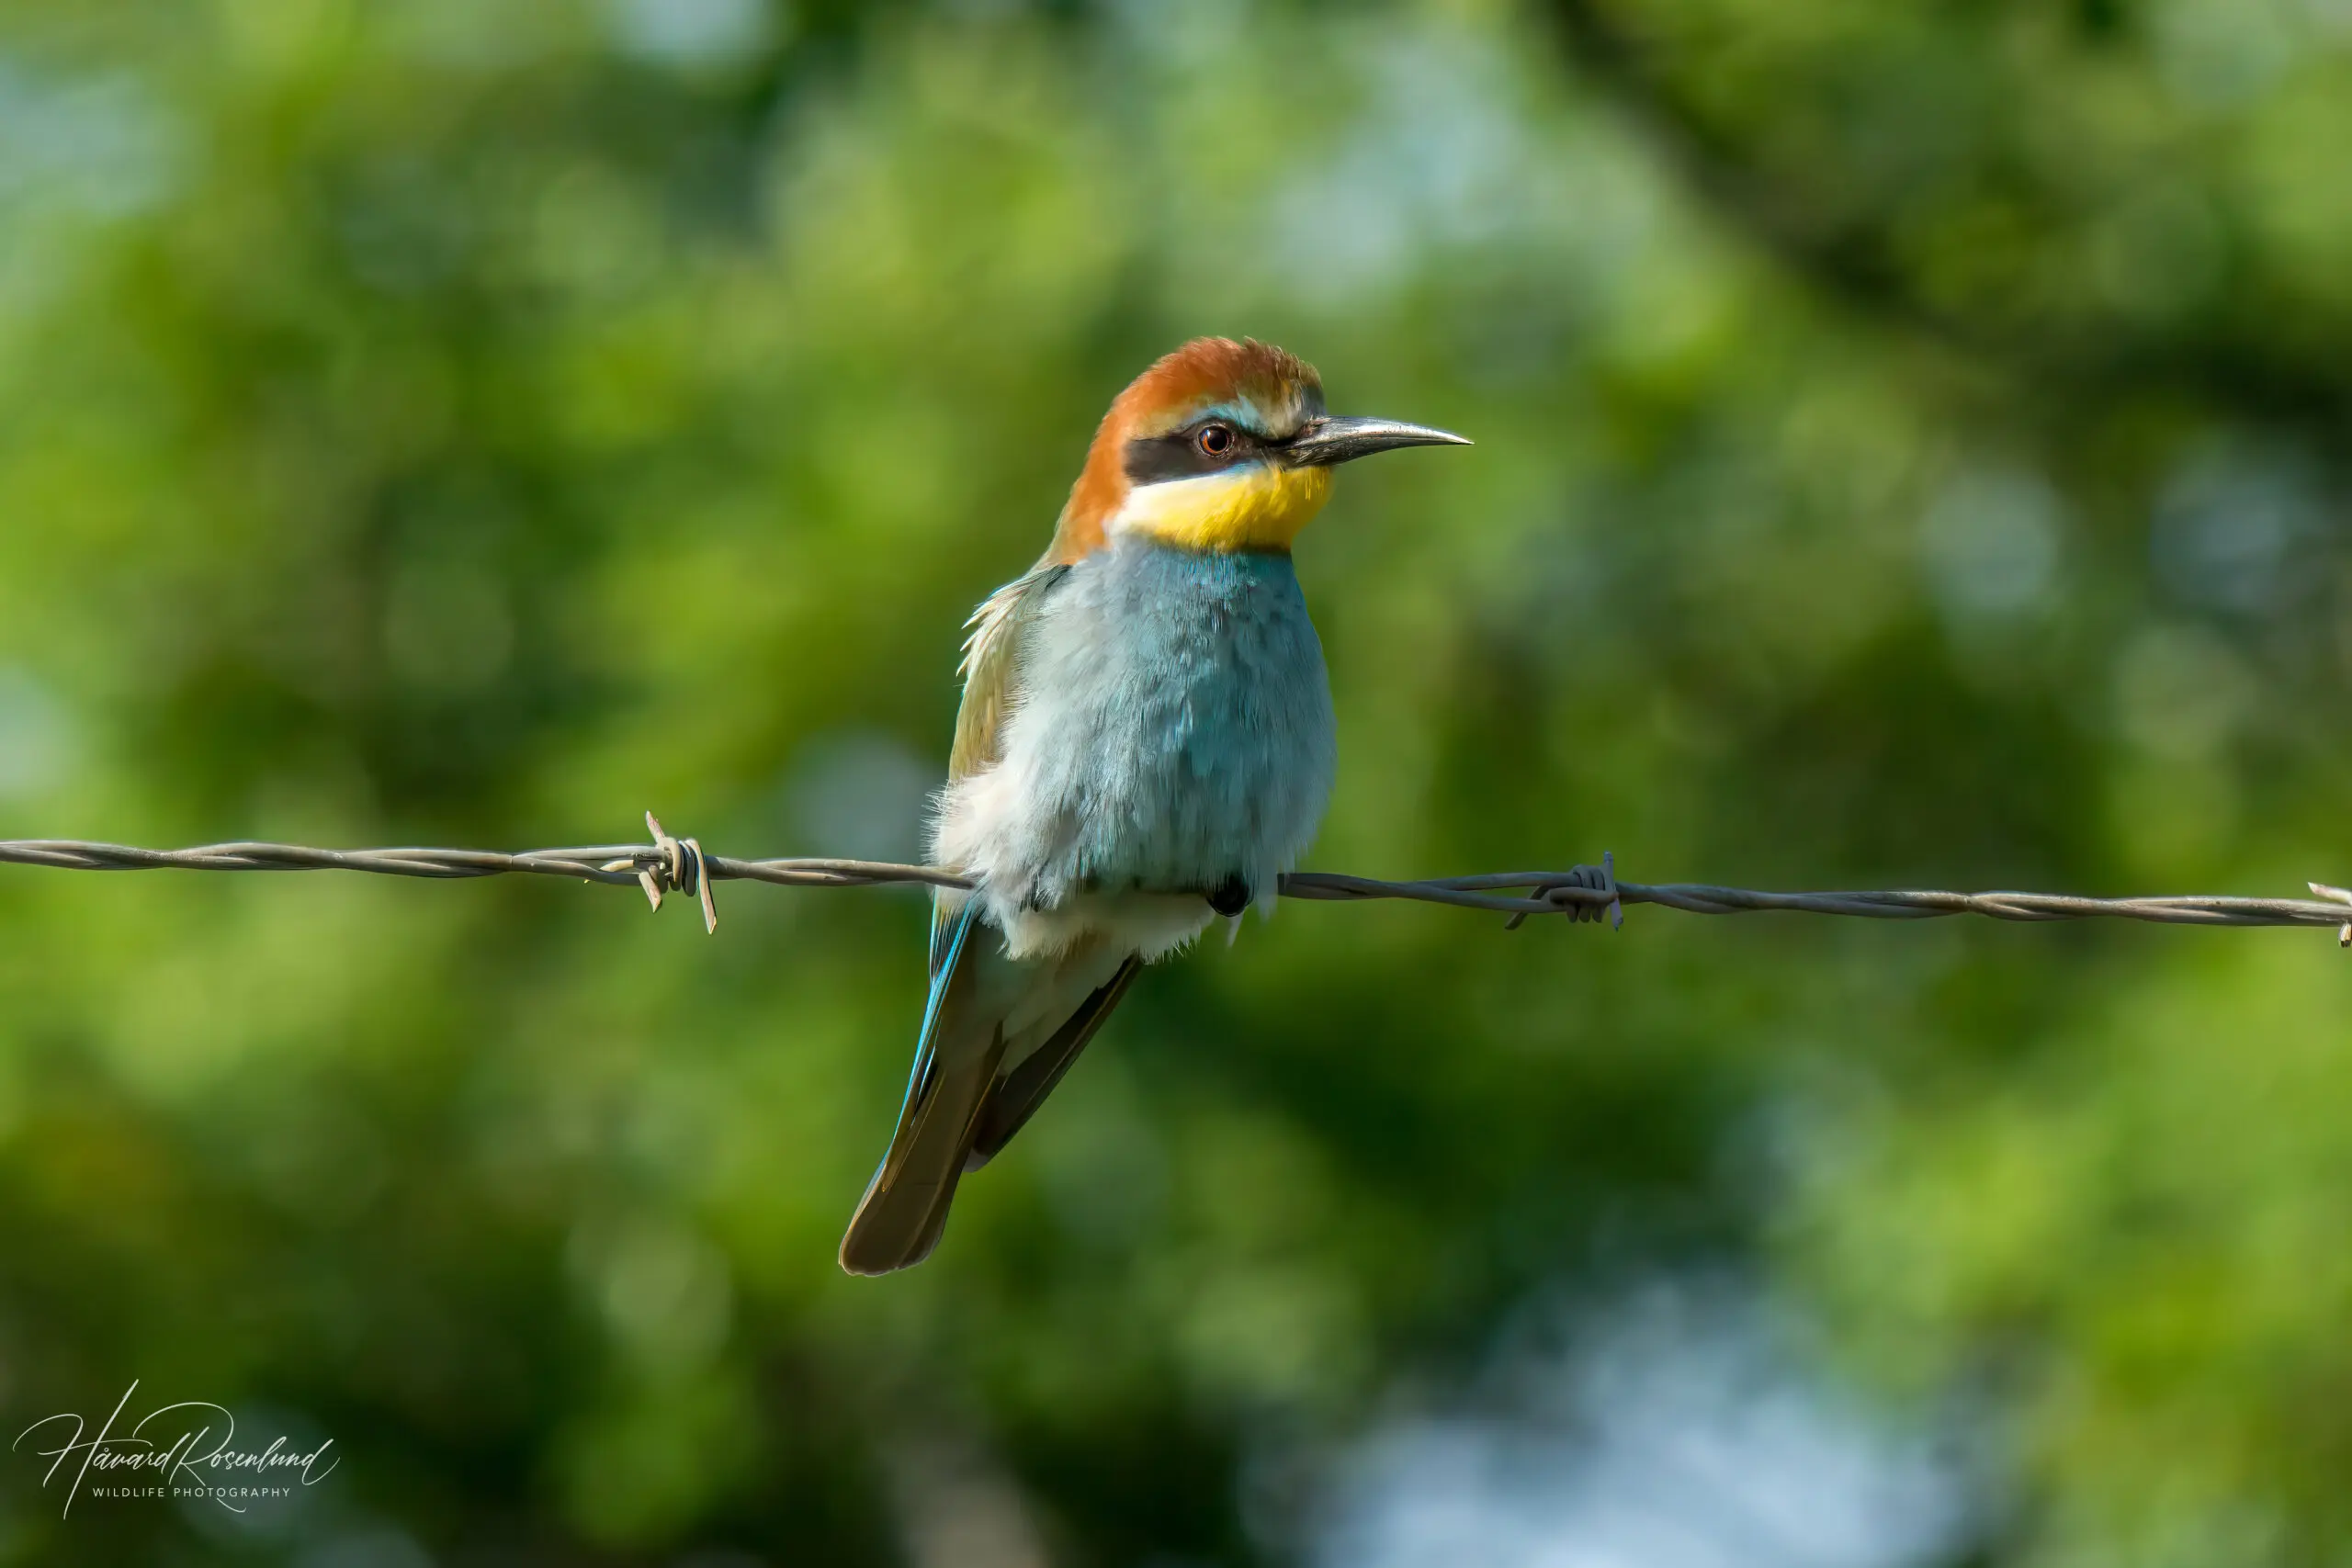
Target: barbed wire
point(1581, 893)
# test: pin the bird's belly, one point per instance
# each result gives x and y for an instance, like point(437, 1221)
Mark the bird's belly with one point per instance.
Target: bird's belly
point(1172, 741)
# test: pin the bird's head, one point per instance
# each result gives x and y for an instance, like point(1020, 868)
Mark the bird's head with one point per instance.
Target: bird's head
point(1220, 445)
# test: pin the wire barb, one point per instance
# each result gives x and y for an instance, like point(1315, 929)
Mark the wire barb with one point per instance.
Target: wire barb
point(1582, 892)
point(1598, 879)
point(675, 863)
point(2343, 933)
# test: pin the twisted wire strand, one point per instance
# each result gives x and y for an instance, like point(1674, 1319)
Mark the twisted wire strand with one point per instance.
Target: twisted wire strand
point(674, 864)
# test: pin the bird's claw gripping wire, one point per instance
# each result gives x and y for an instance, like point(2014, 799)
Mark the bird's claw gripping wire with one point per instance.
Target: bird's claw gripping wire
point(675, 863)
point(1602, 878)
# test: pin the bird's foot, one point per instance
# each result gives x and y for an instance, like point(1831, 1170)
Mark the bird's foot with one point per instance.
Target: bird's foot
point(1230, 898)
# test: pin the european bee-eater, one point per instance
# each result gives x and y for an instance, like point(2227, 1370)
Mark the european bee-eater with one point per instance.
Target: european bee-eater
point(1146, 742)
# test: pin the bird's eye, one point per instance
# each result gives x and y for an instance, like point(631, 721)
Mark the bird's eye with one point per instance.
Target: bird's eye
point(1215, 440)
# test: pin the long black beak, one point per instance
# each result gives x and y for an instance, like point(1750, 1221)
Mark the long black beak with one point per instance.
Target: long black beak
point(1328, 441)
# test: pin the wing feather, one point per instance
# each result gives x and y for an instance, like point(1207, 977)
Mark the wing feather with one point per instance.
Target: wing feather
point(992, 650)
point(990, 655)
point(1018, 1093)
point(957, 1090)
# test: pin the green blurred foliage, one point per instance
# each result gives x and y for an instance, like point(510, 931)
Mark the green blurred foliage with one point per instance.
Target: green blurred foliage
point(1909, 454)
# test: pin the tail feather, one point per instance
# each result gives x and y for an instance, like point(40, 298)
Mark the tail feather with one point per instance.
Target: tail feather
point(1024, 1086)
point(997, 1036)
point(905, 1208)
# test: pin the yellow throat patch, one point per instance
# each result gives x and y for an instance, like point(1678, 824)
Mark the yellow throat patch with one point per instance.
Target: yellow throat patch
point(1256, 508)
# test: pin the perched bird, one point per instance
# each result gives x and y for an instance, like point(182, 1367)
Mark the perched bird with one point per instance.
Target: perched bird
point(1146, 743)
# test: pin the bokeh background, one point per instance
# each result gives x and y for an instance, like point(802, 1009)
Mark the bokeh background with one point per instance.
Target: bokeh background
point(1911, 452)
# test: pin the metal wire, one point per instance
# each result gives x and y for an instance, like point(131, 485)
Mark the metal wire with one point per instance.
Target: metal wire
point(1582, 892)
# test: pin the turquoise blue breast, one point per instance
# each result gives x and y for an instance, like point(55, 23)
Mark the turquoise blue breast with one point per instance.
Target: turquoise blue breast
point(1178, 723)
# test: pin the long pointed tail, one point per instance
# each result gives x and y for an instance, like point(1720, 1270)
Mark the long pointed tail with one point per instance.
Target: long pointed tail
point(905, 1208)
point(997, 1036)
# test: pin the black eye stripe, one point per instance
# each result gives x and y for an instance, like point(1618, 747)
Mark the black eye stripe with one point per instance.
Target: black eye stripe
point(1150, 459)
